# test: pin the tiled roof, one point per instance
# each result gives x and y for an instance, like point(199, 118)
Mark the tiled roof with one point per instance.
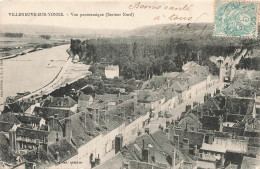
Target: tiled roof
point(171, 74)
point(210, 122)
point(82, 133)
point(177, 86)
point(135, 148)
point(147, 96)
point(113, 163)
point(84, 97)
point(195, 138)
point(65, 102)
point(112, 67)
point(28, 119)
point(9, 117)
point(214, 148)
point(46, 112)
point(168, 94)
point(5, 126)
point(165, 144)
point(6, 154)
point(41, 158)
point(250, 163)
point(64, 149)
point(112, 97)
point(232, 166)
point(97, 105)
point(189, 65)
point(195, 79)
point(17, 107)
point(191, 117)
point(127, 109)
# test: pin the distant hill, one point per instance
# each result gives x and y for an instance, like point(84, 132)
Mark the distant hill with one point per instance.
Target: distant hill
point(57, 30)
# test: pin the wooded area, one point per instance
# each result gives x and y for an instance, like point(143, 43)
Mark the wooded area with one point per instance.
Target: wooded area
point(142, 57)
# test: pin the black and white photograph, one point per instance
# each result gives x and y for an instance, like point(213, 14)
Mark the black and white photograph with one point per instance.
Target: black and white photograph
point(120, 84)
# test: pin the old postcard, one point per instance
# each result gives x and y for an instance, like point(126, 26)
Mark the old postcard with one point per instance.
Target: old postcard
point(120, 84)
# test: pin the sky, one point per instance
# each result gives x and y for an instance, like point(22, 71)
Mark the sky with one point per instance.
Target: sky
point(202, 9)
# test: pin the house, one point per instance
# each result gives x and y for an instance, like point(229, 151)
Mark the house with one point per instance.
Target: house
point(65, 103)
point(85, 100)
point(10, 118)
point(189, 66)
point(151, 100)
point(24, 139)
point(49, 112)
point(191, 121)
point(99, 135)
point(152, 151)
point(111, 71)
point(32, 121)
point(227, 65)
point(250, 163)
point(9, 158)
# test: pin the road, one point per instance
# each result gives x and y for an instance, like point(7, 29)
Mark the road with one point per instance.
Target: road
point(175, 113)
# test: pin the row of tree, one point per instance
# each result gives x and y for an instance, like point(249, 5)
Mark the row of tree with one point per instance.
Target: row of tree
point(141, 58)
point(13, 35)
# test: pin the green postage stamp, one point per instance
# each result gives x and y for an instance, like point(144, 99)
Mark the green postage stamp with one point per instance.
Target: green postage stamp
point(236, 19)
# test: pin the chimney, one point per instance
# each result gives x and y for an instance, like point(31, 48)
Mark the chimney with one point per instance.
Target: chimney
point(185, 143)
point(205, 98)
point(153, 158)
point(68, 129)
point(12, 138)
point(195, 150)
point(57, 137)
point(37, 149)
point(134, 96)
point(93, 113)
point(67, 113)
point(133, 105)
point(217, 91)
point(171, 132)
point(118, 143)
point(168, 83)
point(145, 153)
point(84, 118)
point(57, 156)
point(167, 123)
point(176, 140)
point(147, 130)
point(188, 107)
point(97, 160)
point(174, 158)
point(55, 116)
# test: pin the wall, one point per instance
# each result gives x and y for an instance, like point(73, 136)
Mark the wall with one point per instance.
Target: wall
point(232, 145)
point(130, 131)
point(111, 73)
point(102, 145)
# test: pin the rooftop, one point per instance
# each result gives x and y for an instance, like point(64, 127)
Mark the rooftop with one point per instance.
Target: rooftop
point(6, 154)
point(213, 148)
point(47, 112)
point(64, 149)
point(9, 117)
point(28, 119)
point(250, 163)
point(5, 126)
point(112, 67)
point(65, 102)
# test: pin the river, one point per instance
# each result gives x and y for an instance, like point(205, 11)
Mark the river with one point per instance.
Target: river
point(34, 70)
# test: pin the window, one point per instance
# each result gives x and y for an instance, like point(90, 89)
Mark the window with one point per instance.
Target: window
point(113, 144)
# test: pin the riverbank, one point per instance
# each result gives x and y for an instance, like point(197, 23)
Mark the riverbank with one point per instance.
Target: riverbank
point(66, 71)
